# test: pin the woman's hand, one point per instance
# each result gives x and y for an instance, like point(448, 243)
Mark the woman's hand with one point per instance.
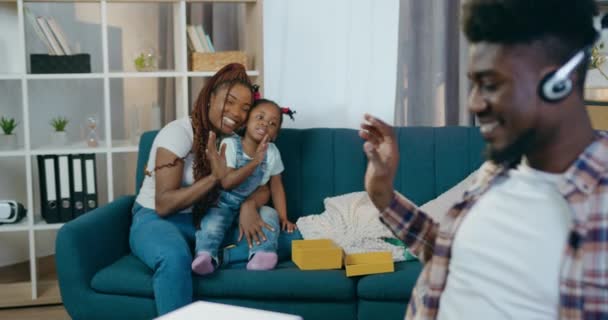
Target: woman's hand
point(288, 226)
point(251, 224)
point(217, 161)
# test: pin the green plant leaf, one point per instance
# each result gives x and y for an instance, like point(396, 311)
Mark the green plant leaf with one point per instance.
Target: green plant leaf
point(59, 123)
point(8, 125)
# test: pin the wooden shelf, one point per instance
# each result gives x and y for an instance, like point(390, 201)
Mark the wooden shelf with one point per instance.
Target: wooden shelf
point(66, 76)
point(251, 73)
point(40, 224)
point(45, 1)
point(121, 146)
point(224, 1)
point(139, 1)
point(9, 76)
point(12, 153)
point(22, 225)
point(156, 74)
point(69, 150)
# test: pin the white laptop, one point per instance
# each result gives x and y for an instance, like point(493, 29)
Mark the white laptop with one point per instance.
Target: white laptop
point(217, 311)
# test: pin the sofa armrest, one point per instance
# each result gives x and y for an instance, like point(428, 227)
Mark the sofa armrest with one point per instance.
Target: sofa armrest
point(87, 244)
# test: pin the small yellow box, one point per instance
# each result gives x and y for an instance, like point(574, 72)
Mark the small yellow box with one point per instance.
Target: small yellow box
point(369, 263)
point(321, 254)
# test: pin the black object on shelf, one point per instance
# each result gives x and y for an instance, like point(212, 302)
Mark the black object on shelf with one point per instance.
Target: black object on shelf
point(44, 63)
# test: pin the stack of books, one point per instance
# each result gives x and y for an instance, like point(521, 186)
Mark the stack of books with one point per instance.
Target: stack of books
point(50, 33)
point(198, 40)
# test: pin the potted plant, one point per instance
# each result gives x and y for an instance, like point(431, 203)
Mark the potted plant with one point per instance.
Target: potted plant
point(146, 60)
point(8, 140)
point(59, 136)
point(598, 59)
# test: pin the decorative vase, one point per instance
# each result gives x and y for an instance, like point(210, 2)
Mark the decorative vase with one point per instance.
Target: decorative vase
point(8, 141)
point(146, 60)
point(59, 138)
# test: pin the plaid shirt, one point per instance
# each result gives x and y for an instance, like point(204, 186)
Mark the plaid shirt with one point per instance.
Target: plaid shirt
point(584, 269)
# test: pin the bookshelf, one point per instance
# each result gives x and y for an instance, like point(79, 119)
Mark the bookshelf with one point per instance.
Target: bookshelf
point(114, 93)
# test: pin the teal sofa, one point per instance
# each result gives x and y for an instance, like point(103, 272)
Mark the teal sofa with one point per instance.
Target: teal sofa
point(100, 279)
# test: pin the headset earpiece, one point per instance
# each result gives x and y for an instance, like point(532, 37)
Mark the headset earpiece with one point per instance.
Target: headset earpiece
point(557, 85)
point(552, 89)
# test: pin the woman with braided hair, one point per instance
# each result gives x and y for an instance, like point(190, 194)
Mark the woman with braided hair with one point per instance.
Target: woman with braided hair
point(182, 181)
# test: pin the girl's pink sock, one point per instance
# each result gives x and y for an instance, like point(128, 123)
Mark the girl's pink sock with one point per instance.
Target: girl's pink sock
point(203, 264)
point(263, 261)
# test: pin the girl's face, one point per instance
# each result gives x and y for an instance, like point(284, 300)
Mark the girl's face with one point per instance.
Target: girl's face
point(263, 120)
point(234, 112)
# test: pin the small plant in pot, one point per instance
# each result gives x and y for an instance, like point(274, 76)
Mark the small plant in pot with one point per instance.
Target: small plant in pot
point(59, 136)
point(8, 140)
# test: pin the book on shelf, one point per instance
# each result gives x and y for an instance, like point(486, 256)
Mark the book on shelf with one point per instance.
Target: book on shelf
point(46, 30)
point(198, 40)
point(201, 35)
point(58, 33)
point(32, 21)
point(211, 47)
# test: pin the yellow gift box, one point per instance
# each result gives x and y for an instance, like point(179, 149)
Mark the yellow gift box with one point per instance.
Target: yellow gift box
point(321, 254)
point(369, 263)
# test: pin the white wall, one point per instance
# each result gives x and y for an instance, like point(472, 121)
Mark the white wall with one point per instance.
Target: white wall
point(331, 61)
point(9, 52)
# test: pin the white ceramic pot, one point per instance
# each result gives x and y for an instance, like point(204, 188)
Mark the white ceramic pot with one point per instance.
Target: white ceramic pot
point(8, 141)
point(59, 138)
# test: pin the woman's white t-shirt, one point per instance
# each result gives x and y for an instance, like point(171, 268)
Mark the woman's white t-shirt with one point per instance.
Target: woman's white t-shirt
point(177, 137)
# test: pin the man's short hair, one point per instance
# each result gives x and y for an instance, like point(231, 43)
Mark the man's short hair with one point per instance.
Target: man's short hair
point(562, 26)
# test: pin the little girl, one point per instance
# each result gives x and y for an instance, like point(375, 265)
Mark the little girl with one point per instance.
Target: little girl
point(253, 162)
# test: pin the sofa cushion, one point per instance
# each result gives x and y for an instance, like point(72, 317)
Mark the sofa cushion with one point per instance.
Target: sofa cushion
point(129, 276)
point(394, 286)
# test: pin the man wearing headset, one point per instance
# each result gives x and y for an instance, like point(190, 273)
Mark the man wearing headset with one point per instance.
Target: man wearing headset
point(529, 240)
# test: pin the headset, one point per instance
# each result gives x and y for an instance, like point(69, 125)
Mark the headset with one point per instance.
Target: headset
point(557, 85)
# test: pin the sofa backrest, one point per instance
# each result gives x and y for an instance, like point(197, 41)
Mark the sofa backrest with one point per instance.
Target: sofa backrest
point(324, 162)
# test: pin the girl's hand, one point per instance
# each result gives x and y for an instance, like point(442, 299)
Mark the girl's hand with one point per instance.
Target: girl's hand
point(260, 152)
point(217, 161)
point(288, 226)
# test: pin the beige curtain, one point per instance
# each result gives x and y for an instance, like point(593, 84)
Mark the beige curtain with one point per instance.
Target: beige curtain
point(431, 65)
point(223, 22)
point(166, 86)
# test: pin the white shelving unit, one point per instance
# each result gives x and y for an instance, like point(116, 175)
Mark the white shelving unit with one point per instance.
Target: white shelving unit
point(111, 146)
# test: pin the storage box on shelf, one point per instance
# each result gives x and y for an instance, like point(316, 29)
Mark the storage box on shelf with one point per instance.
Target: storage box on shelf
point(44, 63)
point(213, 61)
point(596, 95)
point(64, 37)
point(114, 34)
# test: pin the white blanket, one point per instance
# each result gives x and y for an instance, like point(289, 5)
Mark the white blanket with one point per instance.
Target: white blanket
point(352, 222)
